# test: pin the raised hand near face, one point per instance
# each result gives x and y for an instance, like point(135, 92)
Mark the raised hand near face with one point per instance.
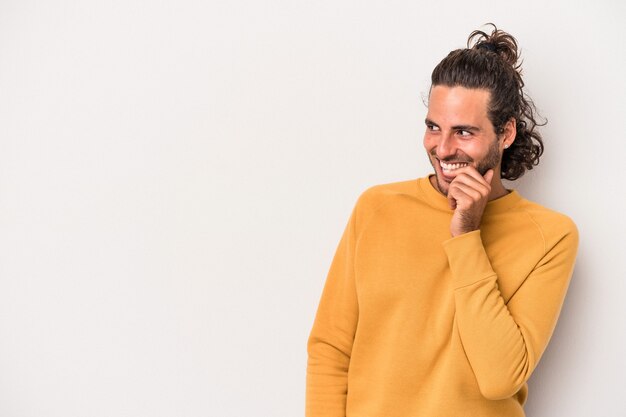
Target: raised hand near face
point(468, 195)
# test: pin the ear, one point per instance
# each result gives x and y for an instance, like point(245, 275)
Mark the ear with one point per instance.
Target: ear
point(509, 133)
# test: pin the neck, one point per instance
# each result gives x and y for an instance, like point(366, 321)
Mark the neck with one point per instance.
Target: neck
point(497, 189)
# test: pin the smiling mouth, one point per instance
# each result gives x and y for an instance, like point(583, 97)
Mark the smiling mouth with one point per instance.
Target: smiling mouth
point(449, 168)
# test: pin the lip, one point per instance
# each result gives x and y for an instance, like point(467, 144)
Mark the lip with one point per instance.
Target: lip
point(448, 176)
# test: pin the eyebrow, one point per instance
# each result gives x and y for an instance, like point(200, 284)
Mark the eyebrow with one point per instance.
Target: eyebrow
point(469, 128)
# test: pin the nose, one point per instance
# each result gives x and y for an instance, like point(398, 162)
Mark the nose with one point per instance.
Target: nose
point(446, 146)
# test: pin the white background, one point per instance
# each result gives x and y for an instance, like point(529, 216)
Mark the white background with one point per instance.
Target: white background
point(175, 177)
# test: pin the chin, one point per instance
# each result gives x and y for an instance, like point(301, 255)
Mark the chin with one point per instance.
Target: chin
point(442, 185)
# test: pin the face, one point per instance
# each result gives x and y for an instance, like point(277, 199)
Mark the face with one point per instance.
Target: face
point(459, 133)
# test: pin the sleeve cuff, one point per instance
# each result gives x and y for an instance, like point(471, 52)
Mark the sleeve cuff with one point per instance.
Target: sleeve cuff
point(467, 259)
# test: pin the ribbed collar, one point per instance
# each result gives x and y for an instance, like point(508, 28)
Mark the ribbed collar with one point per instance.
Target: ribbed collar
point(434, 198)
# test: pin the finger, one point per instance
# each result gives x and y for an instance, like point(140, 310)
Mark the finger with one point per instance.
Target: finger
point(451, 202)
point(458, 196)
point(474, 194)
point(462, 193)
point(453, 194)
point(479, 184)
point(471, 172)
point(489, 176)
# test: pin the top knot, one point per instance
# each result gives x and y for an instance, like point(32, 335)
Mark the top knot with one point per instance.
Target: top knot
point(499, 42)
point(487, 46)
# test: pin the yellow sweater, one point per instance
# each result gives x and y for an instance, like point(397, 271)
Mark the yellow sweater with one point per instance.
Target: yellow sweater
point(414, 323)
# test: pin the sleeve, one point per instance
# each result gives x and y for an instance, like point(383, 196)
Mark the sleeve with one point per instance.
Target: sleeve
point(504, 342)
point(330, 342)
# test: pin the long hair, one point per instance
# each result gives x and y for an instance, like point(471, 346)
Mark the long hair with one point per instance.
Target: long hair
point(492, 62)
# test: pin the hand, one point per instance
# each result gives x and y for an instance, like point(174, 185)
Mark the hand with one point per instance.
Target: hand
point(468, 195)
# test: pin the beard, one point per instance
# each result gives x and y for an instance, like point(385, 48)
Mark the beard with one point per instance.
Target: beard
point(490, 161)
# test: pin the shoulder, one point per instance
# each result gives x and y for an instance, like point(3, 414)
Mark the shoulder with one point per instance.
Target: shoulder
point(381, 194)
point(555, 227)
point(375, 197)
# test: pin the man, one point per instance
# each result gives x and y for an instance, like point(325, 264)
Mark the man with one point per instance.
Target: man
point(444, 291)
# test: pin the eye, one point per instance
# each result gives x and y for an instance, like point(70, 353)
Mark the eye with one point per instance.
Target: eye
point(464, 133)
point(432, 127)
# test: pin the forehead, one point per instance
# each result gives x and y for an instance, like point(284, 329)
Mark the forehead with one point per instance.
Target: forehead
point(458, 105)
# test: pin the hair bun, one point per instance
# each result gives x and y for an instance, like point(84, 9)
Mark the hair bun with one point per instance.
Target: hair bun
point(487, 46)
point(499, 42)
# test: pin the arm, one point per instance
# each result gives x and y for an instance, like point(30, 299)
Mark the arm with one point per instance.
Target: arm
point(330, 342)
point(504, 341)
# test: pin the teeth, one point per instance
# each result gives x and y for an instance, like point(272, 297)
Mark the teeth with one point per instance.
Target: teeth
point(452, 167)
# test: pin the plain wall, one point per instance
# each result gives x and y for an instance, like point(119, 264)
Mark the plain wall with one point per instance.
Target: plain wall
point(175, 177)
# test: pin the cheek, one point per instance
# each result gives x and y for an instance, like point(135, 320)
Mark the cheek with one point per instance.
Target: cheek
point(473, 149)
point(428, 142)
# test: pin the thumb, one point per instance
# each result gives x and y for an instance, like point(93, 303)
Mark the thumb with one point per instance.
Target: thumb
point(451, 202)
point(488, 176)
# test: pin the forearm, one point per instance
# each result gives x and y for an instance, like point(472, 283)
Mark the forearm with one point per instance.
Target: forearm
point(329, 348)
point(326, 380)
point(330, 342)
point(494, 343)
point(504, 340)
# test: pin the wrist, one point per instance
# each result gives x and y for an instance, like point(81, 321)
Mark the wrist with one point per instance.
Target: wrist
point(463, 230)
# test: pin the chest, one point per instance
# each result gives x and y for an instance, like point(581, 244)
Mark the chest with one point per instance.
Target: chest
point(400, 260)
